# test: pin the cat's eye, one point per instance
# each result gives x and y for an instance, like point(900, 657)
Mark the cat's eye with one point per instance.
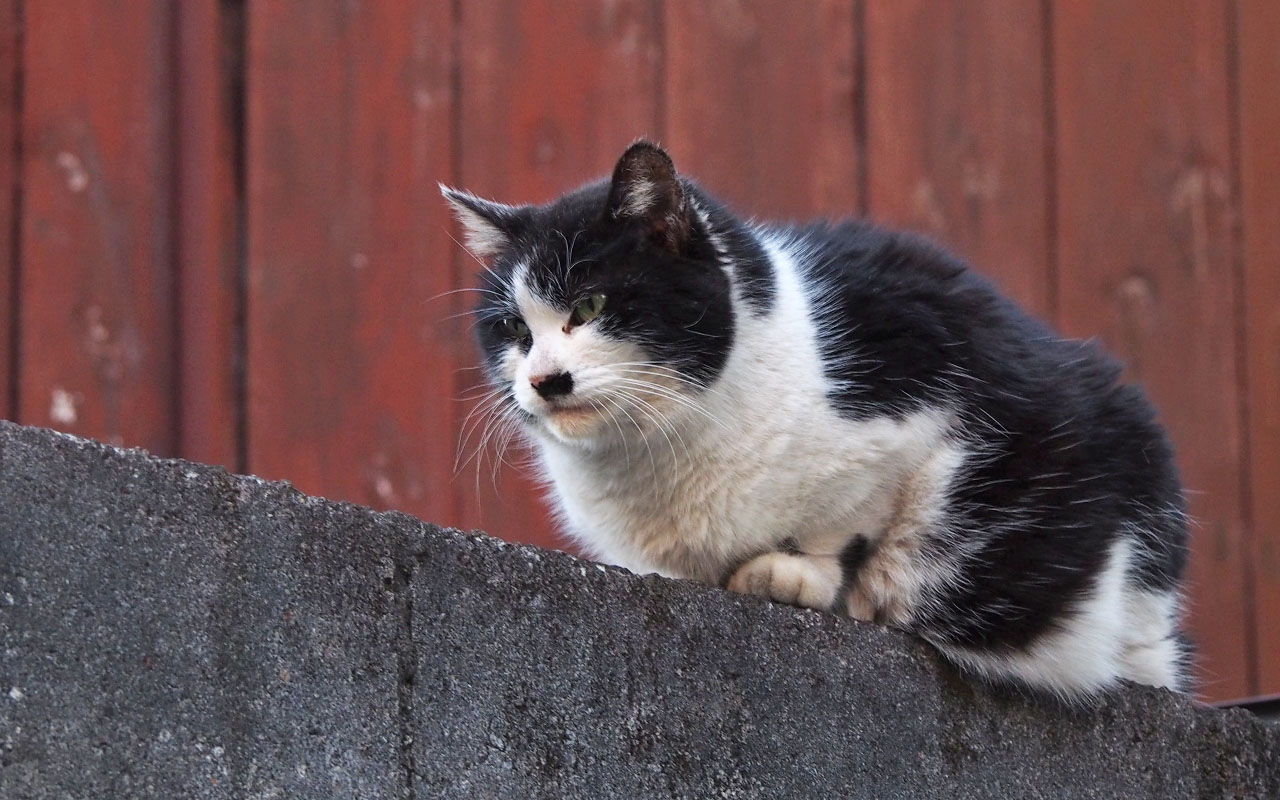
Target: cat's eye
point(588, 308)
point(515, 327)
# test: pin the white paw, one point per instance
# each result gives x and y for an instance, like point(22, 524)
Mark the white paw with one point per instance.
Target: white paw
point(859, 606)
point(800, 580)
point(886, 587)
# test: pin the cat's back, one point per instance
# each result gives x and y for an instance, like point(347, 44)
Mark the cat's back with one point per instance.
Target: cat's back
point(904, 325)
point(915, 325)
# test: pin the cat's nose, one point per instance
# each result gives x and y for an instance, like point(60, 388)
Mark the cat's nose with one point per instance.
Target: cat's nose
point(554, 385)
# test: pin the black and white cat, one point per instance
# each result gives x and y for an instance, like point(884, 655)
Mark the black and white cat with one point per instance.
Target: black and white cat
point(835, 416)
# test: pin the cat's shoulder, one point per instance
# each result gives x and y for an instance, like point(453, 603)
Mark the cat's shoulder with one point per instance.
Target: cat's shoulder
point(863, 254)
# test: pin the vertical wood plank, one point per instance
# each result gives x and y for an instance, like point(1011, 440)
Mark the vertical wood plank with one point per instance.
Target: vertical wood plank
point(1146, 259)
point(1258, 26)
point(552, 93)
point(349, 381)
point(956, 132)
point(208, 229)
point(10, 109)
point(760, 103)
point(97, 347)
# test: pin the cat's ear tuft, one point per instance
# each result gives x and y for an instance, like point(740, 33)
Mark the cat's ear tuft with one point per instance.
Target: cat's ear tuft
point(647, 189)
point(487, 226)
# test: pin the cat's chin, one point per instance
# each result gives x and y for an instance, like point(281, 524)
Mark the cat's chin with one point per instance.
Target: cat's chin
point(578, 425)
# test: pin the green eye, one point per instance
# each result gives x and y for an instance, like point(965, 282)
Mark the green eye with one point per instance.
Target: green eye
point(588, 308)
point(515, 327)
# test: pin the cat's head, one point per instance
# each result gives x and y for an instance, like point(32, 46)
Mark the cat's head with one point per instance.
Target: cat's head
point(605, 313)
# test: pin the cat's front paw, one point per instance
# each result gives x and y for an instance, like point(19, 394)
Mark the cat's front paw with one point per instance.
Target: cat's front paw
point(800, 580)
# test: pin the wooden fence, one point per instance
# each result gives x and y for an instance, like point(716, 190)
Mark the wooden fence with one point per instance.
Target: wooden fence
point(223, 238)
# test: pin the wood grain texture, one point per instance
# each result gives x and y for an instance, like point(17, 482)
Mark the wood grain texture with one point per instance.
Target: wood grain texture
point(10, 55)
point(1258, 26)
point(760, 103)
point(956, 136)
point(97, 338)
point(1146, 259)
point(349, 110)
point(552, 93)
point(208, 237)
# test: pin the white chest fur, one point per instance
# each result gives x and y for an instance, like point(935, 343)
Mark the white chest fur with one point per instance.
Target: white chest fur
point(765, 458)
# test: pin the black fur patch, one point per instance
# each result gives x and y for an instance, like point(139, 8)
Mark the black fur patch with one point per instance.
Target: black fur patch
point(1070, 460)
point(789, 546)
point(852, 557)
point(752, 269)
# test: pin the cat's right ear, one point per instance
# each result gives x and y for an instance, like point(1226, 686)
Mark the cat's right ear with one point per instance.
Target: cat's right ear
point(488, 227)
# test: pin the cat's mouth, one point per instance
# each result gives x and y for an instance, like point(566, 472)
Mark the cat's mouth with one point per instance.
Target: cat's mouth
point(566, 410)
point(572, 420)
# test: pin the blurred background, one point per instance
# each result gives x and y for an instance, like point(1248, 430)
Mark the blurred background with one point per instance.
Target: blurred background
point(222, 236)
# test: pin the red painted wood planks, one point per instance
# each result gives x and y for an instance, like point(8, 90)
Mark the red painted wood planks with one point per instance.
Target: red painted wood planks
point(1146, 259)
point(552, 92)
point(10, 108)
point(349, 128)
point(208, 235)
point(760, 103)
point(1258, 32)
point(97, 338)
point(131, 145)
point(956, 136)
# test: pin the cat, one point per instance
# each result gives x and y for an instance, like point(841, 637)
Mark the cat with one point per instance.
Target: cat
point(835, 416)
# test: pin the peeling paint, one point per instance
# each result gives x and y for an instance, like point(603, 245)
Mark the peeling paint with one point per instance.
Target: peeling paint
point(385, 490)
point(1137, 302)
point(980, 181)
point(97, 330)
point(629, 43)
point(1196, 193)
point(380, 479)
point(927, 208)
point(77, 177)
point(64, 406)
point(113, 355)
point(423, 99)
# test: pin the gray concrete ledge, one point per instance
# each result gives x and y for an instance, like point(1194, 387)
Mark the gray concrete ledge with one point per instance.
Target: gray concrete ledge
point(170, 630)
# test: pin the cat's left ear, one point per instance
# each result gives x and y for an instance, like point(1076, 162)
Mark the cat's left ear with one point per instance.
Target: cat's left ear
point(489, 227)
point(646, 189)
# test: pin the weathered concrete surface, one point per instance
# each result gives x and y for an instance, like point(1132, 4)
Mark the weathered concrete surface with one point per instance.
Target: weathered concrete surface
point(169, 630)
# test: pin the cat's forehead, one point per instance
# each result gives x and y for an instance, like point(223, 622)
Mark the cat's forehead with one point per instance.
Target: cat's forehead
point(553, 262)
point(560, 248)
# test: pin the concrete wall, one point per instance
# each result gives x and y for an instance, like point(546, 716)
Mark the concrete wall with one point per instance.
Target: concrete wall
point(169, 630)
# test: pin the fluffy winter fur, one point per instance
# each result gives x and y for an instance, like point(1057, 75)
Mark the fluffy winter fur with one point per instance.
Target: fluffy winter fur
point(835, 416)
